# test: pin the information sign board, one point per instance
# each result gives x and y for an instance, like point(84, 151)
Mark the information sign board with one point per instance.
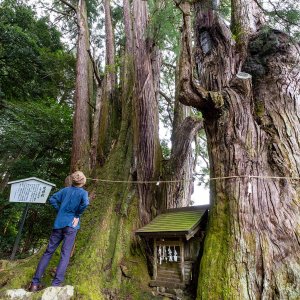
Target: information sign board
point(30, 190)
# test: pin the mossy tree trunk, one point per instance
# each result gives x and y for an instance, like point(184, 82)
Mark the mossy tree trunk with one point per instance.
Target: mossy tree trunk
point(252, 124)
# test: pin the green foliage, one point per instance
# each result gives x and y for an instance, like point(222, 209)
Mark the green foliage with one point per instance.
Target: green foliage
point(32, 58)
point(35, 141)
point(164, 23)
point(92, 10)
point(166, 151)
point(287, 18)
point(225, 9)
point(36, 138)
point(36, 87)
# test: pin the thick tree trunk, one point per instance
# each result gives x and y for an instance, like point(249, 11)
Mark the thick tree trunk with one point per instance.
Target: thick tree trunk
point(146, 112)
point(81, 124)
point(252, 244)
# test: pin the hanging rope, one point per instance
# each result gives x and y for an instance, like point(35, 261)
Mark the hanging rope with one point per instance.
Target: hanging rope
point(157, 182)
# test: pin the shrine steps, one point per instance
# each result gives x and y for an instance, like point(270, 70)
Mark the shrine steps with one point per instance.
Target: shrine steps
point(169, 279)
point(168, 276)
point(167, 284)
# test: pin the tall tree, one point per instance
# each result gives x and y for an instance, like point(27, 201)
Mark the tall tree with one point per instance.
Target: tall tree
point(252, 245)
point(146, 111)
point(81, 127)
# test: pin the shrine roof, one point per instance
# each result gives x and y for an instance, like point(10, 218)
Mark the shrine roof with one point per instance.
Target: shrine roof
point(185, 221)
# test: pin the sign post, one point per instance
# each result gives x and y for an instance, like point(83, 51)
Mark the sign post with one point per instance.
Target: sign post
point(29, 190)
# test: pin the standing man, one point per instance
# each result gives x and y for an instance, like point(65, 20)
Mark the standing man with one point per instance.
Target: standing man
point(69, 202)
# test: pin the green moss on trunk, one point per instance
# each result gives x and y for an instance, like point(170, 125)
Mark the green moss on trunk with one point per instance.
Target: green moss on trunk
point(212, 283)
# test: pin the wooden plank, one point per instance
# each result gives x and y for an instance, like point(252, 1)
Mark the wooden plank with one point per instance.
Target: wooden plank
point(192, 232)
point(155, 261)
point(167, 284)
point(168, 274)
point(182, 260)
point(168, 243)
point(188, 208)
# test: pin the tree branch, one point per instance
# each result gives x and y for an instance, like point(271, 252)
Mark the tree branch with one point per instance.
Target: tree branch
point(69, 5)
point(96, 71)
point(91, 105)
point(276, 12)
point(190, 93)
point(169, 65)
point(60, 12)
point(168, 99)
point(183, 138)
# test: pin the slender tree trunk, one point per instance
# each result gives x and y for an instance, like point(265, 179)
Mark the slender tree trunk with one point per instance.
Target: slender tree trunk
point(4, 181)
point(252, 245)
point(107, 112)
point(128, 27)
point(128, 69)
point(96, 130)
point(81, 124)
point(179, 168)
point(127, 82)
point(110, 51)
point(96, 116)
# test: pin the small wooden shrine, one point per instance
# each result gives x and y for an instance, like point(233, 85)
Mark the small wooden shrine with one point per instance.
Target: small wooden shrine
point(177, 237)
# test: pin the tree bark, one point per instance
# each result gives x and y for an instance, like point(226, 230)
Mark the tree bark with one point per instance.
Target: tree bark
point(179, 168)
point(146, 112)
point(110, 51)
point(96, 130)
point(108, 109)
point(81, 124)
point(252, 245)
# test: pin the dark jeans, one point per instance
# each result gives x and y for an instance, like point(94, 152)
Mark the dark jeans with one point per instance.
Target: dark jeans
point(67, 235)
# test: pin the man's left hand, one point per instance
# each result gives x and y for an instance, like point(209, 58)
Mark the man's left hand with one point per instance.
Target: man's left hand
point(75, 222)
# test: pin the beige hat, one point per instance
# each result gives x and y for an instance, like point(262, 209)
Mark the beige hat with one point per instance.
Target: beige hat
point(78, 179)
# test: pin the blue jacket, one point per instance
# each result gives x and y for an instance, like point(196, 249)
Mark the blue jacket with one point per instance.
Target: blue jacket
point(69, 202)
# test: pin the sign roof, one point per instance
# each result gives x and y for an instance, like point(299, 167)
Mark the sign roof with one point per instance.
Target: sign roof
point(31, 178)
